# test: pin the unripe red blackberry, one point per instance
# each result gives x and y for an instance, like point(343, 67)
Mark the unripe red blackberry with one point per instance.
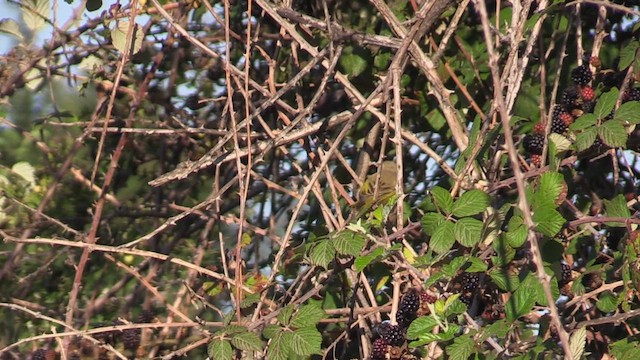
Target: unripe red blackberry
point(379, 349)
point(540, 128)
point(566, 118)
point(587, 93)
point(533, 144)
point(581, 75)
point(131, 339)
point(536, 160)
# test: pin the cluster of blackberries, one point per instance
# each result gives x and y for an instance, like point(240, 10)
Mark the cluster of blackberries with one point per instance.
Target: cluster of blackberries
point(468, 284)
point(390, 339)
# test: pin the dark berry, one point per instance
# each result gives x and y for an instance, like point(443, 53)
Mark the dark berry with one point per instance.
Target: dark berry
point(39, 354)
point(632, 95)
point(533, 144)
point(146, 316)
point(571, 98)
point(558, 126)
point(379, 349)
point(392, 334)
point(565, 274)
point(588, 106)
point(470, 282)
point(581, 75)
point(408, 308)
point(131, 338)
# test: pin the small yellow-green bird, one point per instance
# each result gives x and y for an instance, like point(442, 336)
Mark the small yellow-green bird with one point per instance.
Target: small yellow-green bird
point(368, 196)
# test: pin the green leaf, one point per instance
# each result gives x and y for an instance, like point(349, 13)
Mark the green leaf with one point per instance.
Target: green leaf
point(551, 185)
point(421, 326)
point(560, 142)
point(583, 122)
point(450, 269)
point(220, 349)
point(11, 27)
point(279, 347)
point(585, 139)
point(353, 64)
point(617, 207)
point(577, 342)
point(306, 341)
point(247, 341)
point(382, 60)
point(607, 302)
point(476, 265)
point(307, 316)
point(347, 242)
point(431, 221)
point(120, 34)
point(284, 317)
point(442, 198)
point(548, 221)
point(613, 133)
point(521, 303)
point(629, 111)
point(504, 280)
point(271, 331)
point(25, 171)
point(468, 231)
point(605, 103)
point(322, 253)
point(443, 238)
point(34, 13)
point(362, 262)
point(470, 203)
point(463, 346)
point(628, 54)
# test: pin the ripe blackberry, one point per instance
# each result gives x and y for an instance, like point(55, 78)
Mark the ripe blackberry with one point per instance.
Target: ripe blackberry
point(408, 308)
point(632, 95)
point(558, 126)
point(587, 93)
point(581, 75)
point(426, 299)
point(571, 98)
point(379, 349)
point(588, 106)
point(470, 282)
point(39, 354)
point(146, 316)
point(392, 334)
point(131, 339)
point(565, 274)
point(533, 144)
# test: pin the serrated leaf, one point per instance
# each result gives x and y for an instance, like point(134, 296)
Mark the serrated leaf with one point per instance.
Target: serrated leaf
point(628, 54)
point(450, 269)
point(470, 203)
point(577, 342)
point(629, 111)
point(25, 171)
point(551, 185)
point(119, 37)
point(9, 26)
point(270, 331)
point(421, 326)
point(307, 316)
point(348, 242)
point(521, 303)
point(362, 262)
point(34, 13)
point(284, 317)
point(613, 133)
point(548, 221)
point(247, 341)
point(462, 347)
point(306, 341)
point(617, 207)
point(585, 139)
point(605, 103)
point(279, 347)
point(220, 349)
point(442, 198)
point(561, 143)
point(504, 280)
point(583, 122)
point(476, 265)
point(322, 253)
point(431, 221)
point(517, 236)
point(468, 231)
point(607, 302)
point(443, 238)
point(353, 64)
